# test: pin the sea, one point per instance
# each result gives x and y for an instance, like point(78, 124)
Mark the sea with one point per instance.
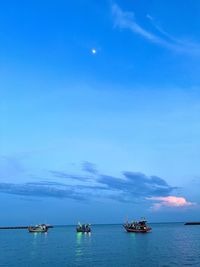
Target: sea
point(169, 244)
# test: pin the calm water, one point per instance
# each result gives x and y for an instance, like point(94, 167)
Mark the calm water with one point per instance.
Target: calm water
point(108, 245)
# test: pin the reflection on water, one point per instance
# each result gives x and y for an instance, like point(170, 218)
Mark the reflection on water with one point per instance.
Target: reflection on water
point(79, 251)
point(34, 244)
point(133, 235)
point(82, 240)
point(36, 241)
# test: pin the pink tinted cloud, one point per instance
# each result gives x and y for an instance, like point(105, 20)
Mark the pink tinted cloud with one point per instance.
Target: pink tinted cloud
point(170, 201)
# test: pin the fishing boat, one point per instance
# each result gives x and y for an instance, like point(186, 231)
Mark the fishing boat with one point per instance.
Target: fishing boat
point(137, 227)
point(40, 228)
point(83, 228)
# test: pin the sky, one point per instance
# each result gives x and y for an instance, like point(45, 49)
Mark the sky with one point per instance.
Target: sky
point(99, 111)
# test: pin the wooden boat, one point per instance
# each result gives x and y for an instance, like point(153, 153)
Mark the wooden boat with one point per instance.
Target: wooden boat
point(40, 228)
point(83, 228)
point(137, 227)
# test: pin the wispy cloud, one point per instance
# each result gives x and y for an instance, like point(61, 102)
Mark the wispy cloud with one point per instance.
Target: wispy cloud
point(126, 20)
point(41, 190)
point(136, 185)
point(89, 167)
point(132, 187)
point(66, 176)
point(170, 201)
point(184, 45)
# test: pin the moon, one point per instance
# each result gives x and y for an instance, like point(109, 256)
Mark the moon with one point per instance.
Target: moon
point(94, 51)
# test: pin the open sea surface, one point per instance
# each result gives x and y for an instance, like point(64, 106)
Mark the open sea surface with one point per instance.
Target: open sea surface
point(170, 244)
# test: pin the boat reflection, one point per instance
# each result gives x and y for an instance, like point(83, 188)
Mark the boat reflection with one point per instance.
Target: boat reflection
point(82, 240)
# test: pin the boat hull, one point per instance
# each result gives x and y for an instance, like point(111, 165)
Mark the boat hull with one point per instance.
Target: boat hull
point(37, 231)
point(83, 231)
point(138, 230)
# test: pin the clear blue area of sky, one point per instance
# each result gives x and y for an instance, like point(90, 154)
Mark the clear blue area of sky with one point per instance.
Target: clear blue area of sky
point(131, 105)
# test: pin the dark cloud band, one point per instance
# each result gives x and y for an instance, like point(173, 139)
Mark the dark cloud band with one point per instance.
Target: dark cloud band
point(133, 186)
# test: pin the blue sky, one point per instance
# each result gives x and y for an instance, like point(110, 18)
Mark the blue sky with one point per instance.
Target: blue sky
point(99, 111)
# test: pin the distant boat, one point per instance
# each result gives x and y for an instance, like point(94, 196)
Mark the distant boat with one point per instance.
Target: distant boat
point(192, 223)
point(137, 227)
point(40, 228)
point(83, 228)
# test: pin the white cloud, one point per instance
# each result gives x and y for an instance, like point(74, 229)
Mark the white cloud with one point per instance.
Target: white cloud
point(170, 201)
point(126, 20)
